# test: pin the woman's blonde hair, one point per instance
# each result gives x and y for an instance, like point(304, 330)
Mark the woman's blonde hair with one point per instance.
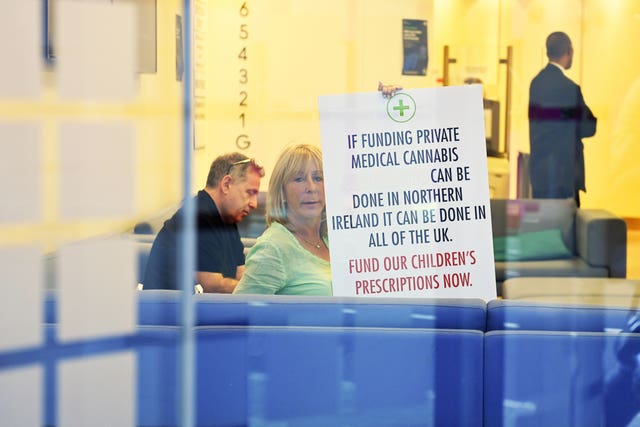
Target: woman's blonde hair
point(292, 160)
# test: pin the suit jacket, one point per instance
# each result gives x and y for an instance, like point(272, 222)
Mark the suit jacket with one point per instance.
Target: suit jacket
point(558, 120)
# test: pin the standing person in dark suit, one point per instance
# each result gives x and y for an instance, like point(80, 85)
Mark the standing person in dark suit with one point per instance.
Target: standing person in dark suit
point(558, 120)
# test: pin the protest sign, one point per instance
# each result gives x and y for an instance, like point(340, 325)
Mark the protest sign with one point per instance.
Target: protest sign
point(407, 193)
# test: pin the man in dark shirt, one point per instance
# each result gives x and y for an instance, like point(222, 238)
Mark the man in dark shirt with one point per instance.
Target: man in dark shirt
point(558, 120)
point(230, 194)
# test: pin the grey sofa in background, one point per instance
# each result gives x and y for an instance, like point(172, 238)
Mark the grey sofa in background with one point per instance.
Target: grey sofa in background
point(595, 240)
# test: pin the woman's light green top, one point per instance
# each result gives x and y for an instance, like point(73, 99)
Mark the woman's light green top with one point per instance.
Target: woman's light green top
point(278, 264)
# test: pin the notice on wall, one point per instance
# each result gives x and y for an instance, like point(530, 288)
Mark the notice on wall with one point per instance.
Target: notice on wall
point(407, 192)
point(414, 47)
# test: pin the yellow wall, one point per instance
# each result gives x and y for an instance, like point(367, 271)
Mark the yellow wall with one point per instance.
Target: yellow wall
point(611, 75)
point(300, 49)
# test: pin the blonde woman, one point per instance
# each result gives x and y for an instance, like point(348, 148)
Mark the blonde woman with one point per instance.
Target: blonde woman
point(292, 255)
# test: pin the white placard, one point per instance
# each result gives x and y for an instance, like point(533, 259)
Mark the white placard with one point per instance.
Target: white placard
point(407, 193)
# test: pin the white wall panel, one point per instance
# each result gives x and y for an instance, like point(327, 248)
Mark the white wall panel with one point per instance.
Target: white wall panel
point(96, 283)
point(21, 397)
point(95, 45)
point(20, 171)
point(97, 391)
point(97, 177)
point(20, 48)
point(21, 295)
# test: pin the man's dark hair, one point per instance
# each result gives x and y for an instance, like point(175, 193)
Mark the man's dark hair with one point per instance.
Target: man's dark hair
point(558, 43)
point(234, 164)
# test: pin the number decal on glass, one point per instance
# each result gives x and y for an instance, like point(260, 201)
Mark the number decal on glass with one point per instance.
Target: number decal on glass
point(242, 140)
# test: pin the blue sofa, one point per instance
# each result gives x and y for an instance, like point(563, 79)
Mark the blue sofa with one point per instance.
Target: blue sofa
point(369, 361)
point(247, 375)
